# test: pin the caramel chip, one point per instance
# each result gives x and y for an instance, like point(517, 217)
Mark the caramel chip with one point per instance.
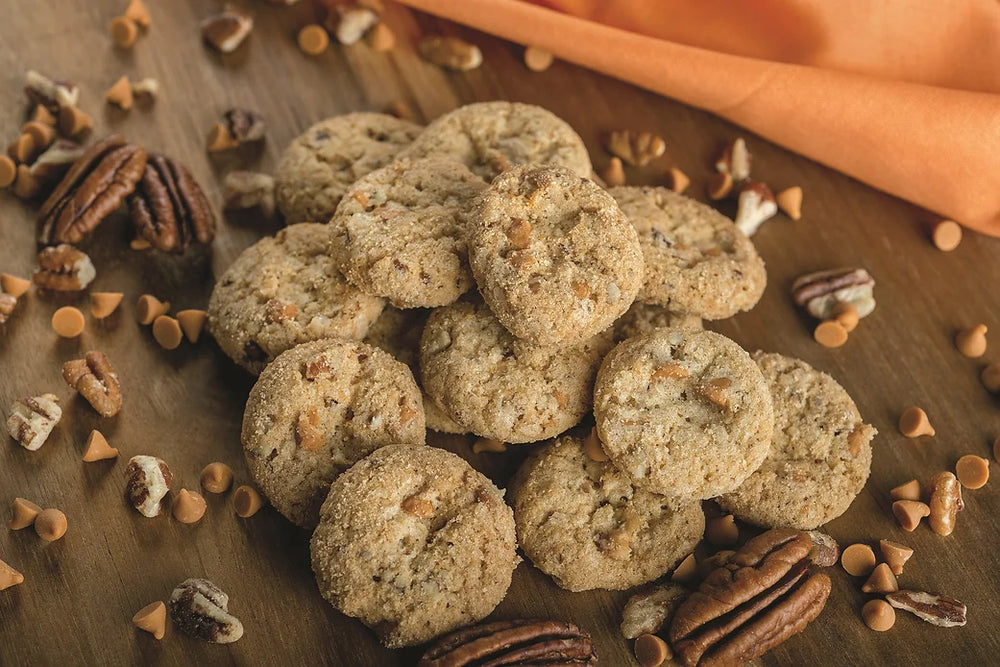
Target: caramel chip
point(22, 149)
point(189, 506)
point(830, 333)
point(537, 59)
point(98, 448)
point(614, 173)
point(678, 180)
point(74, 122)
point(381, 37)
point(192, 322)
point(722, 531)
point(789, 200)
point(908, 513)
point(120, 93)
point(858, 560)
point(26, 186)
point(137, 11)
point(972, 471)
point(651, 651)
point(947, 235)
point(102, 304)
point(152, 618)
point(216, 477)
point(221, 139)
point(895, 555)
point(908, 491)
point(971, 341)
point(41, 133)
point(9, 576)
point(51, 524)
point(167, 332)
point(313, 40)
point(488, 445)
point(720, 185)
point(123, 31)
point(148, 308)
point(878, 615)
point(717, 391)
point(13, 285)
point(914, 423)
point(990, 377)
point(43, 115)
point(68, 322)
point(846, 315)
point(247, 501)
point(8, 171)
point(686, 571)
point(139, 243)
point(592, 447)
point(881, 581)
point(22, 514)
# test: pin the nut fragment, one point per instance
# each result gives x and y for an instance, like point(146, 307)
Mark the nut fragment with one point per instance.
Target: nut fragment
point(9, 576)
point(519, 233)
point(7, 305)
point(98, 448)
point(908, 491)
point(895, 555)
point(636, 148)
point(68, 322)
point(971, 341)
point(148, 308)
point(450, 52)
point(152, 618)
point(200, 609)
point(216, 477)
point(226, 30)
point(32, 419)
point(519, 642)
point(95, 380)
point(669, 371)
point(313, 40)
point(789, 200)
point(881, 580)
point(945, 502)
point(537, 59)
point(248, 189)
point(308, 435)
point(825, 551)
point(146, 90)
point(53, 95)
point(247, 501)
point(22, 514)
point(103, 304)
point(353, 21)
point(416, 506)
point(648, 611)
point(678, 180)
point(878, 615)
point(820, 292)
point(64, 268)
point(651, 651)
point(908, 513)
point(972, 471)
point(189, 506)
point(148, 481)
point(947, 235)
point(756, 205)
point(169, 208)
point(192, 322)
point(120, 94)
point(51, 165)
point(717, 391)
point(719, 186)
point(858, 560)
point(940, 610)
point(167, 332)
point(735, 161)
point(51, 524)
point(722, 531)
point(614, 173)
point(238, 126)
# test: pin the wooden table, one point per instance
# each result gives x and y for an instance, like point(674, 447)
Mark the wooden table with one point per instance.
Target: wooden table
point(185, 406)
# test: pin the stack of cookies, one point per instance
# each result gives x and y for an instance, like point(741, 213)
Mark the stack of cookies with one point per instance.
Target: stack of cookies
point(471, 277)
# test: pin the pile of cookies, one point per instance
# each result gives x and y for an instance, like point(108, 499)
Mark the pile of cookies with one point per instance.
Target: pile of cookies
point(471, 277)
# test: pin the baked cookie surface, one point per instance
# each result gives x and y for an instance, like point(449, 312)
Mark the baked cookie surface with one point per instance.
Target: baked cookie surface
point(317, 409)
point(490, 137)
point(697, 260)
point(282, 291)
point(588, 526)
point(683, 413)
point(501, 387)
point(316, 169)
point(414, 542)
point(399, 232)
point(553, 255)
point(820, 454)
point(642, 318)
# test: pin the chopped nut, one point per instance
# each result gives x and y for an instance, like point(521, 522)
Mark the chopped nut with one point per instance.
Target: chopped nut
point(636, 148)
point(648, 611)
point(137, 11)
point(32, 419)
point(882, 580)
point(686, 571)
point(152, 619)
point(313, 40)
point(189, 506)
point(7, 305)
point(972, 471)
point(248, 189)
point(308, 435)
point(722, 531)
point(990, 377)
point(95, 380)
point(519, 233)
point(51, 165)
point(908, 491)
point(789, 200)
point(820, 292)
point(247, 501)
point(148, 481)
point(756, 206)
point(895, 555)
point(68, 322)
point(381, 37)
point(678, 180)
point(940, 610)
point(64, 268)
point(537, 59)
point(237, 127)
point(53, 95)
point(74, 122)
point(914, 423)
point(719, 186)
point(908, 513)
point(947, 235)
point(216, 477)
point(200, 609)
point(826, 551)
point(8, 171)
point(167, 332)
point(98, 448)
point(146, 90)
point(103, 304)
point(353, 21)
point(192, 322)
point(124, 32)
point(830, 334)
point(22, 514)
point(276, 310)
point(669, 371)
point(858, 560)
point(14, 285)
point(945, 502)
point(592, 447)
point(614, 173)
point(716, 391)
point(878, 615)
point(651, 651)
point(51, 524)
point(9, 576)
point(971, 341)
point(120, 94)
point(418, 507)
point(148, 308)
point(450, 52)
point(226, 30)
point(735, 161)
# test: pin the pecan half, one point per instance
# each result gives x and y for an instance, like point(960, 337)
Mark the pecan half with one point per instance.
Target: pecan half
point(760, 598)
point(520, 642)
point(63, 268)
point(200, 609)
point(940, 610)
point(820, 292)
point(96, 381)
point(94, 186)
point(168, 207)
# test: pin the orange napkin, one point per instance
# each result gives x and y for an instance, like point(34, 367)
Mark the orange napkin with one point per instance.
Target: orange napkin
point(904, 98)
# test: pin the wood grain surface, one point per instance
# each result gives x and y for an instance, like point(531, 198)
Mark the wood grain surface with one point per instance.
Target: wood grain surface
point(185, 406)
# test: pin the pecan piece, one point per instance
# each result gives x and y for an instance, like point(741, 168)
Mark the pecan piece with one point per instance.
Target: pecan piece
point(820, 292)
point(450, 52)
point(247, 189)
point(200, 609)
point(63, 268)
point(945, 502)
point(96, 381)
point(940, 610)
point(226, 30)
point(57, 158)
point(756, 601)
point(53, 95)
point(647, 612)
point(826, 551)
point(147, 482)
point(32, 420)
point(94, 186)
point(520, 642)
point(168, 207)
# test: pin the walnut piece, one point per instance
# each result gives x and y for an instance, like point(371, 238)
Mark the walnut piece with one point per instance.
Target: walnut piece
point(95, 380)
point(636, 148)
point(64, 268)
point(821, 292)
point(940, 610)
point(148, 481)
point(648, 611)
point(200, 609)
point(248, 189)
point(226, 30)
point(450, 52)
point(32, 419)
point(520, 642)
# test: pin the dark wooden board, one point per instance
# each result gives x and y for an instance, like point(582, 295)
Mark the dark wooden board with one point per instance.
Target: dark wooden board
point(185, 406)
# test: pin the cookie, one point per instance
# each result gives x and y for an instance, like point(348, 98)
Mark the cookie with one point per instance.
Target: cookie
point(490, 137)
point(642, 318)
point(501, 387)
point(588, 526)
point(697, 260)
point(553, 255)
point(683, 413)
point(820, 453)
point(317, 409)
point(399, 232)
point(316, 169)
point(282, 291)
point(413, 542)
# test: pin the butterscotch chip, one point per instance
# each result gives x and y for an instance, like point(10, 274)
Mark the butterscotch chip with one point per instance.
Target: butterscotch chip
point(651, 651)
point(908, 491)
point(41, 134)
point(247, 501)
point(14, 285)
point(381, 37)
point(68, 322)
point(74, 122)
point(22, 514)
point(43, 115)
point(189, 506)
point(946, 235)
point(972, 471)
point(98, 448)
point(139, 243)
point(686, 571)
point(895, 555)
point(858, 560)
point(722, 531)
point(216, 477)
point(592, 447)
point(881, 581)
point(9, 576)
point(123, 31)
point(990, 377)
point(914, 423)
point(51, 524)
point(102, 304)
point(152, 618)
point(148, 308)
point(120, 93)
point(192, 322)
point(313, 40)
point(167, 332)
point(719, 185)
point(8, 171)
point(614, 173)
point(22, 149)
point(878, 615)
point(830, 334)
point(537, 59)
point(220, 139)
point(678, 180)
point(971, 341)
point(847, 315)
point(908, 513)
point(139, 14)
point(26, 185)
point(484, 444)
point(789, 200)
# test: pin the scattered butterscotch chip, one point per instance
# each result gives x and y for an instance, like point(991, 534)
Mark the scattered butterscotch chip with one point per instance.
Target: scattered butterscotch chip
point(247, 501)
point(8, 171)
point(216, 477)
point(9, 576)
point(971, 341)
point(51, 524)
point(846, 315)
point(878, 615)
point(68, 322)
point(537, 59)
point(686, 571)
point(488, 445)
point(592, 447)
point(26, 185)
point(972, 471)
point(400, 109)
point(614, 173)
point(120, 94)
point(138, 12)
point(719, 185)
point(22, 514)
point(41, 114)
point(858, 560)
point(678, 180)
point(908, 491)
point(152, 618)
point(167, 332)
point(722, 531)
point(908, 513)
point(830, 333)
point(313, 39)
point(789, 200)
point(895, 555)
point(148, 308)
point(192, 322)
point(651, 651)
point(990, 377)
point(41, 134)
point(381, 37)
point(102, 304)
point(74, 122)
point(124, 32)
point(220, 139)
point(189, 506)
point(98, 448)
point(914, 423)
point(946, 235)
point(13, 285)
point(882, 580)
point(22, 149)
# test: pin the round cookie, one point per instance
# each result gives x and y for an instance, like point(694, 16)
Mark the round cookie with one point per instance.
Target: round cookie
point(282, 291)
point(683, 413)
point(490, 137)
point(319, 165)
point(820, 452)
point(413, 542)
point(501, 387)
point(400, 232)
point(553, 255)
point(586, 525)
point(642, 318)
point(317, 409)
point(697, 260)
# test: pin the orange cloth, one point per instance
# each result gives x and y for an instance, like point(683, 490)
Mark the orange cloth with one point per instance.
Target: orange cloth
point(846, 83)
